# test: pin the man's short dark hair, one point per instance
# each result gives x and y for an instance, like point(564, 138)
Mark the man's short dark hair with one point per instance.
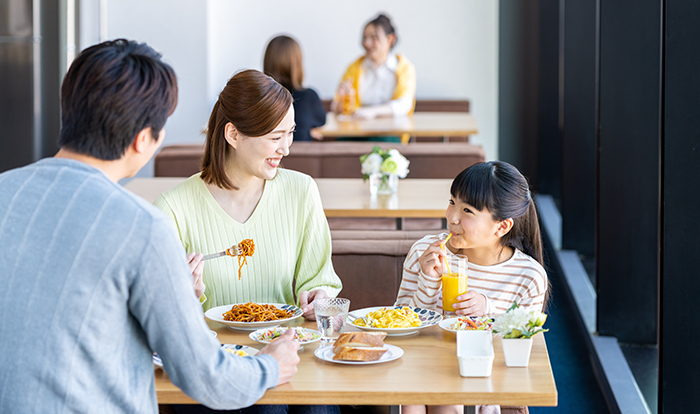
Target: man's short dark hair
point(111, 92)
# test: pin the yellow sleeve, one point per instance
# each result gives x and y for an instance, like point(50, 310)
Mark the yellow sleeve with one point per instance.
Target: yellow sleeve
point(405, 80)
point(352, 73)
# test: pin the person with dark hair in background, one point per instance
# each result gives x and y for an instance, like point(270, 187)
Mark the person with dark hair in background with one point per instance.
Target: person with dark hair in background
point(284, 63)
point(492, 218)
point(94, 278)
point(380, 83)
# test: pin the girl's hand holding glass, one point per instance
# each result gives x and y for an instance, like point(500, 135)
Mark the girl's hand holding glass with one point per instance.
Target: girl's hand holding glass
point(471, 303)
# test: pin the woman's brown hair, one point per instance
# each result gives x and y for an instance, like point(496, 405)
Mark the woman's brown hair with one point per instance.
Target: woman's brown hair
point(255, 104)
point(283, 62)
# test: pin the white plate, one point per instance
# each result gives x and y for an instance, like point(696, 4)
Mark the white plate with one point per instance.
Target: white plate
point(234, 347)
point(217, 315)
point(447, 323)
point(159, 362)
point(250, 351)
point(258, 335)
point(428, 317)
point(326, 353)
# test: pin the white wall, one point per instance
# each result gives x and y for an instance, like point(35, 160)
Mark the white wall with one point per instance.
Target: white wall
point(452, 43)
point(178, 30)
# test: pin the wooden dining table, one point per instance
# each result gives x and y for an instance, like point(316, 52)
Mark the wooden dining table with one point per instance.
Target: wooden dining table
point(348, 197)
point(427, 373)
point(424, 124)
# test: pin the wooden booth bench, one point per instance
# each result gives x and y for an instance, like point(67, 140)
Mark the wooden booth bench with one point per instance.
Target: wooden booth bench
point(370, 263)
point(335, 159)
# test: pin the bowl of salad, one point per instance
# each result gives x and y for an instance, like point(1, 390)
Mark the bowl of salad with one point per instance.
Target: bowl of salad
point(467, 323)
point(303, 335)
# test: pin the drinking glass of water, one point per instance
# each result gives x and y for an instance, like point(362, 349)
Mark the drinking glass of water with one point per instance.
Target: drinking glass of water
point(330, 317)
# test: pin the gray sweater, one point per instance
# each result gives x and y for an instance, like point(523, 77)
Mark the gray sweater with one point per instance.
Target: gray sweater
point(93, 280)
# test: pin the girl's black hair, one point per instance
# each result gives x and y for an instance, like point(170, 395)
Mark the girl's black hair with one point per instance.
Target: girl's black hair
point(504, 191)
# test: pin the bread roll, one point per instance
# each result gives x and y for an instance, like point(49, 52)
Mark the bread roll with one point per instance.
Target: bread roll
point(359, 339)
point(359, 353)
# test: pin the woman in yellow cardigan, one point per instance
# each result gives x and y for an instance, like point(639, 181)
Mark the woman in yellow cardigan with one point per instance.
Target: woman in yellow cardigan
point(380, 83)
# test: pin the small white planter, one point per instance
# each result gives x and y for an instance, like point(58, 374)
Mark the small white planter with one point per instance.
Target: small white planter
point(517, 351)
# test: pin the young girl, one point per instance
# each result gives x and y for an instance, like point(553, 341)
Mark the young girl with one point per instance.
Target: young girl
point(493, 222)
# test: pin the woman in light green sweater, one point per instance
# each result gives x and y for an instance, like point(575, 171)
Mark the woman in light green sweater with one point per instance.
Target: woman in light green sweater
point(242, 193)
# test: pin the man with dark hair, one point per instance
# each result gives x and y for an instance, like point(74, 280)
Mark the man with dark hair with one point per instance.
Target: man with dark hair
point(94, 279)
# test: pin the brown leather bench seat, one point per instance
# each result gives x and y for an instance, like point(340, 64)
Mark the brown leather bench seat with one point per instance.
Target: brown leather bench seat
point(370, 263)
point(338, 159)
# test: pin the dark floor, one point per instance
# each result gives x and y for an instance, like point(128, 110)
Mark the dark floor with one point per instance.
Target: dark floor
point(573, 373)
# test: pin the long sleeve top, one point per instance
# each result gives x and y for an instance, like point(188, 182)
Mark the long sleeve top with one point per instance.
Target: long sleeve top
point(289, 229)
point(367, 79)
point(308, 113)
point(94, 280)
point(519, 279)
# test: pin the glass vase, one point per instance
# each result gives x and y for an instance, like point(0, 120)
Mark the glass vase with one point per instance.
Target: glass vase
point(383, 183)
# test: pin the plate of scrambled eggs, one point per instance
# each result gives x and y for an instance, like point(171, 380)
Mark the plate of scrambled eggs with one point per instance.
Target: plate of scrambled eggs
point(394, 320)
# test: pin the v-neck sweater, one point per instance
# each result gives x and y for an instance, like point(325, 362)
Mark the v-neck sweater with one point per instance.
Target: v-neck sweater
point(289, 229)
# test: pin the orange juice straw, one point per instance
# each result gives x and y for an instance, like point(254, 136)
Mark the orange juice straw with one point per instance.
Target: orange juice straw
point(442, 245)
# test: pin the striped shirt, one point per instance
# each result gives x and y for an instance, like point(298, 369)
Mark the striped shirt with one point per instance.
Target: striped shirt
point(288, 226)
point(519, 279)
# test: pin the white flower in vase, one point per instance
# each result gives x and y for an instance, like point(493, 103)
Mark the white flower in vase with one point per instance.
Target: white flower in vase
point(371, 164)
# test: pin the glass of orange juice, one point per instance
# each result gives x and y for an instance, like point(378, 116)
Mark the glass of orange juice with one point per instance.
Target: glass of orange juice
point(347, 100)
point(454, 281)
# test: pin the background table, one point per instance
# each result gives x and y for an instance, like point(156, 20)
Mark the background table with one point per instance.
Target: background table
point(425, 124)
point(348, 197)
point(427, 373)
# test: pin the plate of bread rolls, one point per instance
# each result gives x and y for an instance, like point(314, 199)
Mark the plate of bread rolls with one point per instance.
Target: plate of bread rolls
point(359, 348)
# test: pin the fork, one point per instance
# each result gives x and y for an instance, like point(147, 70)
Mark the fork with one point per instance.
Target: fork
point(231, 251)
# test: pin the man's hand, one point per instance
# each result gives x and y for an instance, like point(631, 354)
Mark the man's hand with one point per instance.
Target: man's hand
point(285, 351)
point(306, 300)
point(196, 266)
